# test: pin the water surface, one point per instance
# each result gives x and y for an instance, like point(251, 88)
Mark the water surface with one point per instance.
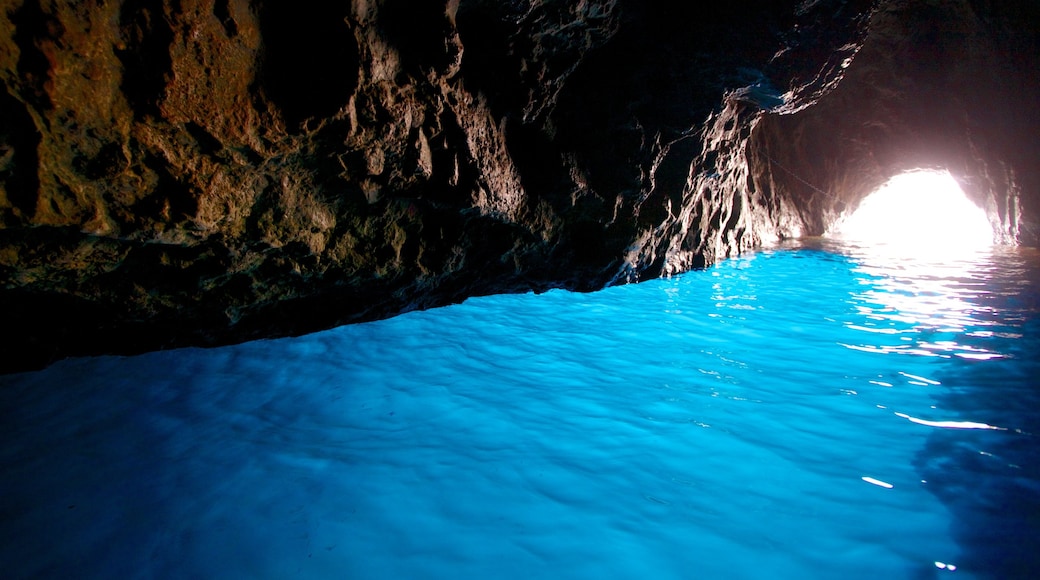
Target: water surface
point(818, 411)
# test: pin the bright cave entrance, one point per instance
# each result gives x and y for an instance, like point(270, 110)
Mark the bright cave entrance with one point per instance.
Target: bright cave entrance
point(919, 210)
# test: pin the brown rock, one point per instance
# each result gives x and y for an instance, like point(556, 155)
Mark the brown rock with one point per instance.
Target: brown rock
point(210, 171)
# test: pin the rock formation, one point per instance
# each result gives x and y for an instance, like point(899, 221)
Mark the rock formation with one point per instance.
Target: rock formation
point(943, 84)
point(199, 172)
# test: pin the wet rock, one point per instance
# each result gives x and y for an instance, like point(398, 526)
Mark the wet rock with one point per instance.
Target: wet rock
point(210, 171)
point(946, 84)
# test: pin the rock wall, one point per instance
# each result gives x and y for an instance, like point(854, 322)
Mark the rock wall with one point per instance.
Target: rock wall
point(942, 84)
point(198, 172)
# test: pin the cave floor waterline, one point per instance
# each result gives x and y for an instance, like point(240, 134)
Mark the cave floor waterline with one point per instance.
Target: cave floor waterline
point(805, 411)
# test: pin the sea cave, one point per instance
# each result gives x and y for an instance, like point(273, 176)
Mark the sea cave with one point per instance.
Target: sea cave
point(426, 283)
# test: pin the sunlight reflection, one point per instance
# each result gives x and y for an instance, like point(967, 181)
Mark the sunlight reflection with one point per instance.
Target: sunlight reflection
point(877, 482)
point(911, 310)
point(924, 254)
point(950, 424)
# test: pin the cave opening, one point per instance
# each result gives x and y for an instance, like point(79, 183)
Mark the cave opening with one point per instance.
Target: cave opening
point(920, 209)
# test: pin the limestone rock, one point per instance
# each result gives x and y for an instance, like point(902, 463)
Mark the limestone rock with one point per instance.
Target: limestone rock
point(199, 172)
point(946, 84)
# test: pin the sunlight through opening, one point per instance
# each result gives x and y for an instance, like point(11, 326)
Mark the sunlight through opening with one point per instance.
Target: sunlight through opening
point(922, 210)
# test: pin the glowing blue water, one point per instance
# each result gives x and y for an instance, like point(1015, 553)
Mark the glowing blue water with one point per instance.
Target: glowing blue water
point(792, 414)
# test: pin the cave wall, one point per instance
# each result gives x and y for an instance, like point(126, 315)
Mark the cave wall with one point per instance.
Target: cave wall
point(942, 84)
point(199, 172)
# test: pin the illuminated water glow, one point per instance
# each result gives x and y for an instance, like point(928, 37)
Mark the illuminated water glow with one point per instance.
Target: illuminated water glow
point(800, 413)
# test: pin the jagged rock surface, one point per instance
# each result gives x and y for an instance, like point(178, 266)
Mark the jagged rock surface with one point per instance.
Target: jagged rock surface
point(210, 171)
point(945, 84)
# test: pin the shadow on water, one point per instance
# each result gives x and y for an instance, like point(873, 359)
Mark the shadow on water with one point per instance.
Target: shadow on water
point(988, 478)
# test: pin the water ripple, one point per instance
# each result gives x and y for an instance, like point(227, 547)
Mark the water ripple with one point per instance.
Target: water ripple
point(720, 424)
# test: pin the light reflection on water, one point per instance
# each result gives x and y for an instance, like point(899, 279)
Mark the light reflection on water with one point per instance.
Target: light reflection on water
point(923, 297)
point(809, 412)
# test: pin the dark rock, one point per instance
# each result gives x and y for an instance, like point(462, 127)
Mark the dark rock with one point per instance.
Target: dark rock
point(200, 172)
point(945, 84)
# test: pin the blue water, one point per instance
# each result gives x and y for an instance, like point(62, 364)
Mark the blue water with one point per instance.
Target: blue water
point(806, 412)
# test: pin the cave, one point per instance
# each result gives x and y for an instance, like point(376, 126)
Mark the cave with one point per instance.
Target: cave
point(963, 116)
point(447, 151)
point(431, 283)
